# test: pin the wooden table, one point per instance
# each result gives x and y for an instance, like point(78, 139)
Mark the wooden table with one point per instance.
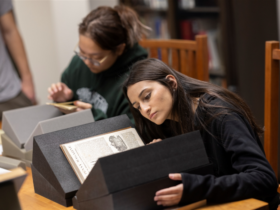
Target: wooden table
point(29, 200)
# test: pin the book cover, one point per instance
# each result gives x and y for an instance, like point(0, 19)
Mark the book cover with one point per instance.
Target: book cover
point(186, 30)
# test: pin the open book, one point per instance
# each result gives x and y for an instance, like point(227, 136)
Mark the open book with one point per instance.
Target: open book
point(83, 154)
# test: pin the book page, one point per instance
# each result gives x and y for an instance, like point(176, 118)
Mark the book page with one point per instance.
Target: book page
point(3, 171)
point(83, 154)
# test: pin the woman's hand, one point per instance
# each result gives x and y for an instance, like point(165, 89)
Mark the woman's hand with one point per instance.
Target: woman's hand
point(155, 141)
point(60, 92)
point(172, 195)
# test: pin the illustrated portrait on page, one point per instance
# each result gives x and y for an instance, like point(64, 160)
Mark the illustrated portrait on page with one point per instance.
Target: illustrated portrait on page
point(118, 143)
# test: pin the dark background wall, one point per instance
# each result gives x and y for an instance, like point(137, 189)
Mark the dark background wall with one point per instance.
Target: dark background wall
point(247, 25)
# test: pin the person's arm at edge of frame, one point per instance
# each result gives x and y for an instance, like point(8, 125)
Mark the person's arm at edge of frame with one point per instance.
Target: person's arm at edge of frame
point(15, 45)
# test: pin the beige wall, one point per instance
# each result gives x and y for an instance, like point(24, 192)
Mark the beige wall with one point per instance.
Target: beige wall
point(49, 29)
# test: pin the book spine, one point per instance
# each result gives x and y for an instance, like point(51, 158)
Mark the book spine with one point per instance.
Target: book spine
point(186, 30)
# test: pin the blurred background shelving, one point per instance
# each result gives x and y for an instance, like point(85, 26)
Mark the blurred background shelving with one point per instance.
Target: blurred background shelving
point(184, 19)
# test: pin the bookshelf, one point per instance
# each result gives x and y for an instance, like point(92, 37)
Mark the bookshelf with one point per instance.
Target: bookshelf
point(167, 19)
point(155, 14)
point(202, 17)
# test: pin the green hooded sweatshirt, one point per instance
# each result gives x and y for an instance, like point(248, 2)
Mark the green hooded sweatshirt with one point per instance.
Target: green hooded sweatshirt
point(103, 90)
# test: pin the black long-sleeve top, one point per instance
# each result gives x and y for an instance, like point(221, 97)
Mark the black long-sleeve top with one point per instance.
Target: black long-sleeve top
point(241, 170)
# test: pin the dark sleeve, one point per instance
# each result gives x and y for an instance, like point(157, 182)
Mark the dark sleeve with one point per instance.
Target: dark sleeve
point(254, 176)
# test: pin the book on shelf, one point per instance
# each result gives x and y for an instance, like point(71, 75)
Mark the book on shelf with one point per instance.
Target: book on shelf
point(186, 4)
point(186, 30)
point(189, 28)
point(158, 24)
point(214, 57)
point(153, 4)
point(83, 154)
point(157, 4)
point(189, 4)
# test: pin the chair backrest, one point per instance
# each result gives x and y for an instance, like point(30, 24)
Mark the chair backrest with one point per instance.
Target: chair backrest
point(272, 57)
point(186, 56)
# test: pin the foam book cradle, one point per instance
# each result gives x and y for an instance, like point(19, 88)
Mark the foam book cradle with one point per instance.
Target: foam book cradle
point(21, 125)
point(126, 180)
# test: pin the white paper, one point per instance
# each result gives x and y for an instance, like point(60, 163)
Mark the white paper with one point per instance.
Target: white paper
point(4, 171)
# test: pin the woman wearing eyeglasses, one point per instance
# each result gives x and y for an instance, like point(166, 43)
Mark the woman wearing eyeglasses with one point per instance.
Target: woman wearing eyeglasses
point(107, 47)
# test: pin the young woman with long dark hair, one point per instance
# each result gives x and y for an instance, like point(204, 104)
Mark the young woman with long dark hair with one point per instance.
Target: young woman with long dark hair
point(107, 47)
point(166, 103)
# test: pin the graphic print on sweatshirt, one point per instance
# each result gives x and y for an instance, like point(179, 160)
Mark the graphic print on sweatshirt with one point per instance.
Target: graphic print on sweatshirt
point(98, 101)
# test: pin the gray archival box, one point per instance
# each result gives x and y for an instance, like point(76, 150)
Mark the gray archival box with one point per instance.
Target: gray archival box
point(21, 125)
point(10, 163)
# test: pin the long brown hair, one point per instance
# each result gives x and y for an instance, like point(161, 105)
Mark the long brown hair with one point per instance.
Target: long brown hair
point(110, 27)
point(187, 90)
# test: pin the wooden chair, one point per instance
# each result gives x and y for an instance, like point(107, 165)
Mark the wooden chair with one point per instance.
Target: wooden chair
point(186, 56)
point(272, 58)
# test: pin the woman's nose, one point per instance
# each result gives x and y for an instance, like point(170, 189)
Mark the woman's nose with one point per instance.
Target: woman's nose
point(146, 108)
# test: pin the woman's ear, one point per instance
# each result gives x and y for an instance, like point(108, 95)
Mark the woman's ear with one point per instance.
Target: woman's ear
point(120, 49)
point(172, 80)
